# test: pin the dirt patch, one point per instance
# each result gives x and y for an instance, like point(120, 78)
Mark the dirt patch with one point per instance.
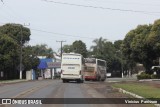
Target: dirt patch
point(155, 84)
point(108, 91)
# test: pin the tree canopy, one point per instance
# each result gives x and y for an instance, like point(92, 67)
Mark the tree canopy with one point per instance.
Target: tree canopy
point(77, 46)
point(16, 31)
point(11, 36)
point(67, 48)
point(142, 44)
point(43, 50)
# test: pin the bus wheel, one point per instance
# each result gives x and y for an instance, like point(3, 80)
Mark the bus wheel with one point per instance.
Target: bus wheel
point(78, 81)
point(102, 80)
point(67, 80)
point(86, 80)
point(98, 78)
point(64, 81)
point(82, 81)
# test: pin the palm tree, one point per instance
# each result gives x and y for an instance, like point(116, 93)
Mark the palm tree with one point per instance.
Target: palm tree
point(43, 50)
point(99, 47)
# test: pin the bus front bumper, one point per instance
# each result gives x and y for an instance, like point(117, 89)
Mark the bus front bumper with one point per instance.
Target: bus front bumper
point(90, 77)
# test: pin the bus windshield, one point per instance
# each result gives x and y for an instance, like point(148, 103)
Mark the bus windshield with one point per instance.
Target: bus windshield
point(90, 60)
point(89, 69)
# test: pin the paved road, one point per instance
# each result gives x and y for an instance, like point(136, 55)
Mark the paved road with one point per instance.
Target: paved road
point(57, 89)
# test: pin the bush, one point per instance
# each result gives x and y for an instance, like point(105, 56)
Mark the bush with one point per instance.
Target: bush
point(143, 75)
point(153, 76)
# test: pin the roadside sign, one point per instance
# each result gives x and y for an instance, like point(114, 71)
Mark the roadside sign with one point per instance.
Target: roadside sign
point(54, 64)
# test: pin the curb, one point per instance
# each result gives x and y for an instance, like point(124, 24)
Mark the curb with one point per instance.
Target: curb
point(12, 81)
point(149, 80)
point(134, 95)
point(127, 92)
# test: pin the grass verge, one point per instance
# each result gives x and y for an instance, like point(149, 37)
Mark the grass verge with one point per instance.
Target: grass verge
point(12, 81)
point(143, 90)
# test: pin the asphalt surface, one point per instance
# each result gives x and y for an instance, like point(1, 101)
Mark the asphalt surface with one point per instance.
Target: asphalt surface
point(57, 89)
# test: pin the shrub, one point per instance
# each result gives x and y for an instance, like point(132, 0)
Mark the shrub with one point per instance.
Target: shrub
point(153, 76)
point(143, 75)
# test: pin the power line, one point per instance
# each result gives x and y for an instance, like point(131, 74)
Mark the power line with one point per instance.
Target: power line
point(14, 14)
point(105, 8)
point(2, 1)
point(55, 33)
point(66, 34)
point(60, 33)
point(121, 2)
point(11, 12)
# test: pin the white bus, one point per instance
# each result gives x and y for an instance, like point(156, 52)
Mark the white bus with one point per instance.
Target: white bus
point(72, 67)
point(95, 69)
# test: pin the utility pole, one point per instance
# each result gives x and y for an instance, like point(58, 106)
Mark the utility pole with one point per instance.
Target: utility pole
point(61, 46)
point(21, 45)
point(20, 75)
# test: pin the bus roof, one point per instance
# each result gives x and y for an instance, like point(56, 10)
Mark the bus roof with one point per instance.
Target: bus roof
point(101, 60)
point(72, 54)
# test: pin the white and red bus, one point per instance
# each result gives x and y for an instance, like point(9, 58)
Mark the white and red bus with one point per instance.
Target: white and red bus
point(95, 69)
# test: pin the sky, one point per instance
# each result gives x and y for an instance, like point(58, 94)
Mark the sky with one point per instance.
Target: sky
point(71, 20)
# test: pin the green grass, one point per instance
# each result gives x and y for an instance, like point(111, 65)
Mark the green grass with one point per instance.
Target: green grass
point(143, 90)
point(8, 81)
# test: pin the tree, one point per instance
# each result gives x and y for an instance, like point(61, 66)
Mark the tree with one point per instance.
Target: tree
point(8, 55)
point(142, 52)
point(30, 59)
point(120, 61)
point(118, 44)
point(108, 54)
point(105, 50)
point(80, 47)
point(154, 38)
point(136, 47)
point(16, 31)
point(43, 50)
point(67, 48)
point(10, 45)
point(98, 48)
